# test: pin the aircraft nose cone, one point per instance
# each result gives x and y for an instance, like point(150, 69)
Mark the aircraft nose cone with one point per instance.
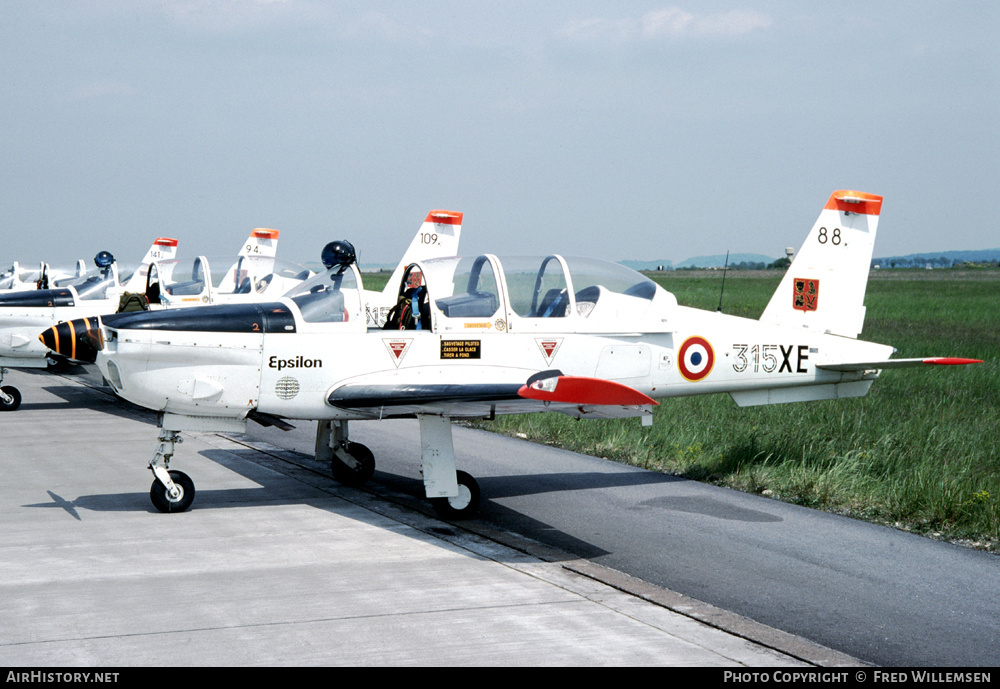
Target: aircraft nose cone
point(78, 339)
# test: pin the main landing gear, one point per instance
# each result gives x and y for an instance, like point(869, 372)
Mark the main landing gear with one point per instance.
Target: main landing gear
point(453, 494)
point(10, 397)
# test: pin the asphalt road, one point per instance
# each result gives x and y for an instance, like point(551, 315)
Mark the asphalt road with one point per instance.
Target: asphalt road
point(880, 595)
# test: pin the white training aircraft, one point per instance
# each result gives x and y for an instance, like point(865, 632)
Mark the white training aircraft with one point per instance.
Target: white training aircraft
point(485, 335)
point(170, 282)
point(256, 276)
point(24, 314)
point(21, 278)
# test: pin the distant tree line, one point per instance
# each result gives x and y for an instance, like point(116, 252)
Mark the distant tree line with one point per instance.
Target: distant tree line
point(780, 264)
point(923, 262)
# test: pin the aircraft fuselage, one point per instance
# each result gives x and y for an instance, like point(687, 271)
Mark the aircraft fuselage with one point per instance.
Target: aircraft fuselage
point(296, 370)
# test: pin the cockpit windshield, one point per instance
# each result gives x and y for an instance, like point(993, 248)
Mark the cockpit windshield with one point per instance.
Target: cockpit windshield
point(15, 276)
point(591, 278)
point(192, 277)
point(474, 290)
point(531, 288)
point(91, 285)
point(329, 297)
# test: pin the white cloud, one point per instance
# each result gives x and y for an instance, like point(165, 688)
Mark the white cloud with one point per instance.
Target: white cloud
point(226, 16)
point(731, 24)
point(669, 23)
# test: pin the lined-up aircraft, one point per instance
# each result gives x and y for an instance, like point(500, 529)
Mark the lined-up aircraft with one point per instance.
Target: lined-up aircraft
point(24, 314)
point(60, 302)
point(256, 273)
point(21, 278)
point(484, 335)
point(256, 276)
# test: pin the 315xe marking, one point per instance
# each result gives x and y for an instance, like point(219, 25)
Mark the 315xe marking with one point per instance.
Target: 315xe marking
point(771, 358)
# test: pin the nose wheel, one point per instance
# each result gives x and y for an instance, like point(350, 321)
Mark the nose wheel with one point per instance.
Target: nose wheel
point(172, 491)
point(177, 500)
point(10, 397)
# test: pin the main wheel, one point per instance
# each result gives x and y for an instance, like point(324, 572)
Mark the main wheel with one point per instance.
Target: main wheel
point(15, 398)
point(164, 503)
point(354, 476)
point(462, 506)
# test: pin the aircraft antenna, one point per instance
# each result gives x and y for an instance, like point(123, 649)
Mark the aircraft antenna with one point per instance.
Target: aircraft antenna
point(723, 290)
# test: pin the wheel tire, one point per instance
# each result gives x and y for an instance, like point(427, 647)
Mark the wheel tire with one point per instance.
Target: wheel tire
point(463, 506)
point(354, 476)
point(162, 501)
point(15, 402)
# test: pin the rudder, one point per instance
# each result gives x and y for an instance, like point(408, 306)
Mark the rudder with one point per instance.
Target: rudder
point(824, 288)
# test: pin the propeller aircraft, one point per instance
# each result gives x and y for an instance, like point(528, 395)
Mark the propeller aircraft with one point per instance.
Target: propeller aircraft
point(21, 278)
point(255, 276)
point(23, 314)
point(483, 335)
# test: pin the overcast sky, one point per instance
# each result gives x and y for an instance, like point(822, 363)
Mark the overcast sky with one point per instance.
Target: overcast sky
point(639, 130)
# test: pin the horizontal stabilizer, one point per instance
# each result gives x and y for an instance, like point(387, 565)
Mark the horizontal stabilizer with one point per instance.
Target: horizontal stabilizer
point(897, 363)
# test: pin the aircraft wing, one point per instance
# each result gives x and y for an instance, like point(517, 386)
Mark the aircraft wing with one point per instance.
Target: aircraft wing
point(490, 392)
point(896, 363)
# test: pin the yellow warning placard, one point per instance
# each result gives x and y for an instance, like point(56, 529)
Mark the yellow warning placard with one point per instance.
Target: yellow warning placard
point(461, 349)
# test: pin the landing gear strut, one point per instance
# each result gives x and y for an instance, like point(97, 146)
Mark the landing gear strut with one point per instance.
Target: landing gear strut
point(351, 464)
point(172, 491)
point(10, 397)
point(453, 494)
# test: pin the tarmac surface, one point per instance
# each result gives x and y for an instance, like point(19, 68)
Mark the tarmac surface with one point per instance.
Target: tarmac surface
point(277, 564)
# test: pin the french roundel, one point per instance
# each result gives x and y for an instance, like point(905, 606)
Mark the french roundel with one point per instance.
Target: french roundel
point(696, 358)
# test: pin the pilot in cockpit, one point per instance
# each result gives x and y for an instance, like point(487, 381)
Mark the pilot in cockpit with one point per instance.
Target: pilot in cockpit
point(412, 310)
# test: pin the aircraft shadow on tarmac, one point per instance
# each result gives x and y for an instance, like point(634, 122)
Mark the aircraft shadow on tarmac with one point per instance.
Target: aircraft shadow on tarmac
point(77, 397)
point(275, 489)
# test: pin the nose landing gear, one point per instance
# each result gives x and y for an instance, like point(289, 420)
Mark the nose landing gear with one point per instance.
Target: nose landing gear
point(172, 491)
point(10, 397)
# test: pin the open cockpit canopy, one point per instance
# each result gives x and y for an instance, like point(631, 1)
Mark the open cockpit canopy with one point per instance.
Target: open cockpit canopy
point(488, 292)
point(333, 296)
point(203, 279)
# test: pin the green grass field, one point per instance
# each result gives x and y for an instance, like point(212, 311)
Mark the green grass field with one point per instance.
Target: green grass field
point(921, 451)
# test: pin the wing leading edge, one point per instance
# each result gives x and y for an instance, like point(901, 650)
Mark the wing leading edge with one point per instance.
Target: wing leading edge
point(546, 391)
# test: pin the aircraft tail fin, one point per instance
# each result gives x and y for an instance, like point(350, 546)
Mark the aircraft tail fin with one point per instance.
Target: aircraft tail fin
point(437, 237)
point(163, 249)
point(255, 258)
point(824, 288)
point(262, 243)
